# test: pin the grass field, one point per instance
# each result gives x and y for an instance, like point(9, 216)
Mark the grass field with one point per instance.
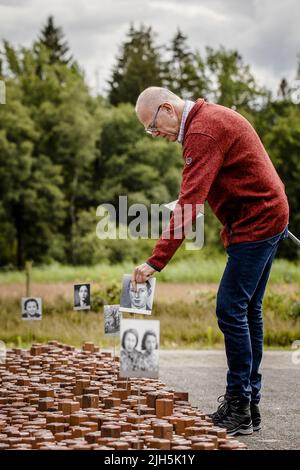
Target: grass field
point(184, 303)
point(184, 324)
point(197, 268)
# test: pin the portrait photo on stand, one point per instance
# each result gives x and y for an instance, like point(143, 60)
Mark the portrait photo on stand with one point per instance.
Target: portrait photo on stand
point(139, 348)
point(139, 300)
point(31, 308)
point(112, 319)
point(82, 296)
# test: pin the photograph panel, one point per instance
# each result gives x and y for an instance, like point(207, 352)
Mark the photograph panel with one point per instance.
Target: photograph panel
point(31, 308)
point(112, 320)
point(82, 296)
point(139, 348)
point(139, 300)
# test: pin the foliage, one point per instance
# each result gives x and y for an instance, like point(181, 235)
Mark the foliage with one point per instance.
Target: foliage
point(64, 151)
point(137, 67)
point(53, 38)
point(188, 325)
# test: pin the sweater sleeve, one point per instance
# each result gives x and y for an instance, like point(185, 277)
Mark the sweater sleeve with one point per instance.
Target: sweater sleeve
point(203, 160)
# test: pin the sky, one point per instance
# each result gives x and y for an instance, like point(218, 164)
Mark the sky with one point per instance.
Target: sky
point(265, 32)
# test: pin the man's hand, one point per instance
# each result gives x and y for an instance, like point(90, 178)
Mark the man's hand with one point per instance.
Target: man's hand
point(141, 274)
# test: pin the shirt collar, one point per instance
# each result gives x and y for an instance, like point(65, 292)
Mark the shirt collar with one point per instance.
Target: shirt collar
point(186, 109)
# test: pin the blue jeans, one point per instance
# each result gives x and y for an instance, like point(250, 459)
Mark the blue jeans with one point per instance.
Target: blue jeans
point(239, 312)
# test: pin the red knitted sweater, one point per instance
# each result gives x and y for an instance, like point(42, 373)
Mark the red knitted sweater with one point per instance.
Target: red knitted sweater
point(227, 165)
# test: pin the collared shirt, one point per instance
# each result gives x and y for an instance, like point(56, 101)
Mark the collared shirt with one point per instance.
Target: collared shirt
point(187, 108)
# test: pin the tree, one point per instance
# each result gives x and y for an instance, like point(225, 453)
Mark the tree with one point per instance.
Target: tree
point(74, 137)
point(138, 66)
point(233, 84)
point(53, 38)
point(147, 171)
point(283, 89)
point(31, 201)
point(49, 133)
point(184, 72)
point(277, 123)
point(63, 151)
point(282, 141)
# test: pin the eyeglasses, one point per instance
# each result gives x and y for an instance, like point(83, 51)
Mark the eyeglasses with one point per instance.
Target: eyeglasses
point(152, 129)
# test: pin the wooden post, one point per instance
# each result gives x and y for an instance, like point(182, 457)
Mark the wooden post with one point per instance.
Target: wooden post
point(28, 266)
point(114, 358)
point(139, 413)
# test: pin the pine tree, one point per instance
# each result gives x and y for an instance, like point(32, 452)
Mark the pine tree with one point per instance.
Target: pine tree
point(184, 70)
point(53, 38)
point(283, 89)
point(138, 66)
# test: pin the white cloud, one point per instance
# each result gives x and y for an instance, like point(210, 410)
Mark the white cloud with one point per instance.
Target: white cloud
point(188, 10)
point(265, 32)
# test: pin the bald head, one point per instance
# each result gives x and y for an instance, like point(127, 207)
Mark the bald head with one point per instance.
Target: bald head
point(149, 101)
point(153, 96)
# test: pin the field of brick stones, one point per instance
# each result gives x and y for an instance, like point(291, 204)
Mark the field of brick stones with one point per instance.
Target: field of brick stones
point(56, 397)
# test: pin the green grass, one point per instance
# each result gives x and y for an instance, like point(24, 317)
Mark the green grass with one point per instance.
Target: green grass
point(196, 268)
point(199, 269)
point(183, 325)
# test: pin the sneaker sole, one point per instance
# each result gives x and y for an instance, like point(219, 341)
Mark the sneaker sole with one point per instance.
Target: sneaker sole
point(243, 429)
point(257, 428)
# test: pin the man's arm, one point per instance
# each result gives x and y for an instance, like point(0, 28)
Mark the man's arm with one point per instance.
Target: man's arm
point(202, 163)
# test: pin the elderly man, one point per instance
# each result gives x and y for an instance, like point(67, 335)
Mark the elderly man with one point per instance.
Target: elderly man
point(226, 164)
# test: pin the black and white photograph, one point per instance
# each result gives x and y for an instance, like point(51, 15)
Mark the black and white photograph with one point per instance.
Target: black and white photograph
point(31, 308)
point(139, 348)
point(112, 319)
point(82, 297)
point(139, 300)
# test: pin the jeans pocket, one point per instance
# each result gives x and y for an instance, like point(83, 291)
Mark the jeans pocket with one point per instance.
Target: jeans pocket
point(274, 240)
point(280, 236)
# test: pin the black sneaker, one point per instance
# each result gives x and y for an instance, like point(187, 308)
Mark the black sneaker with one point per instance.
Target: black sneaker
point(233, 415)
point(255, 416)
point(222, 409)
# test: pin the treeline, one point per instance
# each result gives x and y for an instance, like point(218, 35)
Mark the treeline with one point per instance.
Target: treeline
point(64, 151)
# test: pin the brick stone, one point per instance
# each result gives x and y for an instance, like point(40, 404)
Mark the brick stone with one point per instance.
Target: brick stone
point(163, 444)
point(163, 407)
point(111, 402)
point(110, 430)
point(45, 404)
point(90, 401)
point(164, 431)
point(68, 406)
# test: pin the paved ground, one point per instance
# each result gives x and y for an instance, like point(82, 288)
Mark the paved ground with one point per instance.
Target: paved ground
point(202, 374)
